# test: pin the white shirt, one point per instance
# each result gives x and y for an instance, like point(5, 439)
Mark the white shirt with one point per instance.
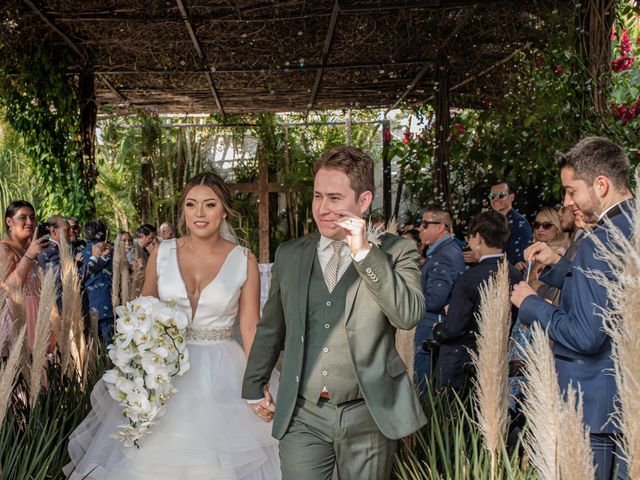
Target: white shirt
point(491, 256)
point(325, 252)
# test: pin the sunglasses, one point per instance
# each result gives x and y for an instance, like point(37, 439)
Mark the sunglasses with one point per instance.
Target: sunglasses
point(425, 224)
point(544, 225)
point(499, 195)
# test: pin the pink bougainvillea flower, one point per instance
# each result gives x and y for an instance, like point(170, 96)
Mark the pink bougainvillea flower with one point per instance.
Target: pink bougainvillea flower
point(614, 37)
point(622, 64)
point(406, 138)
point(459, 127)
point(625, 43)
point(559, 71)
point(538, 62)
point(387, 135)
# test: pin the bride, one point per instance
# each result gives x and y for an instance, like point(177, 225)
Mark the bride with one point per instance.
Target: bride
point(208, 431)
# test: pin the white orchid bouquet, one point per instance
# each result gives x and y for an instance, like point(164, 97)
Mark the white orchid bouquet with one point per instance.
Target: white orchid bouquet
point(149, 349)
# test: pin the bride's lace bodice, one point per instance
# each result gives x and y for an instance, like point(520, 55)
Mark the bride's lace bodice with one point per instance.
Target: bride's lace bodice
point(218, 304)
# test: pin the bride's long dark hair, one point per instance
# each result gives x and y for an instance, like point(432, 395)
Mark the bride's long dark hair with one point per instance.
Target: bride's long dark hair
point(215, 183)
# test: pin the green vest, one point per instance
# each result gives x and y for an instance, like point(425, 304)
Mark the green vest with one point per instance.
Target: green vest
point(327, 359)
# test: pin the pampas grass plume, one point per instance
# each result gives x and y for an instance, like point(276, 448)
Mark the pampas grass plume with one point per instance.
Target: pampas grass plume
point(491, 361)
point(622, 324)
point(9, 372)
point(576, 460)
point(43, 335)
point(542, 405)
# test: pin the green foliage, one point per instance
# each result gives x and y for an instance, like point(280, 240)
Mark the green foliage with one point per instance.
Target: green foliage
point(39, 103)
point(15, 171)
point(450, 446)
point(548, 109)
point(33, 444)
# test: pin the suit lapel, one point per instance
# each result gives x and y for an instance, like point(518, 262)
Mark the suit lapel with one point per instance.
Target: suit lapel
point(308, 252)
point(351, 298)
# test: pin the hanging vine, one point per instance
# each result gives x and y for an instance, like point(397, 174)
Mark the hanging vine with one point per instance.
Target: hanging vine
point(39, 102)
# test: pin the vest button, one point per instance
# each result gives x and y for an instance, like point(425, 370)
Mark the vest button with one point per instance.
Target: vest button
point(328, 304)
point(326, 325)
point(325, 349)
point(325, 373)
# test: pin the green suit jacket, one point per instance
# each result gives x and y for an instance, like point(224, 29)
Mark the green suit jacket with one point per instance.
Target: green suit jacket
point(387, 296)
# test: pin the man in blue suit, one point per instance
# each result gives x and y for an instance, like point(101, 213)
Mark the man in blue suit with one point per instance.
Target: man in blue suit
point(595, 175)
point(443, 264)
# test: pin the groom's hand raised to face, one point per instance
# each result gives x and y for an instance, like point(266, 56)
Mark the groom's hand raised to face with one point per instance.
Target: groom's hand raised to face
point(355, 229)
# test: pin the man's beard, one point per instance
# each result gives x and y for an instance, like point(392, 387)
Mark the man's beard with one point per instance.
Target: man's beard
point(591, 212)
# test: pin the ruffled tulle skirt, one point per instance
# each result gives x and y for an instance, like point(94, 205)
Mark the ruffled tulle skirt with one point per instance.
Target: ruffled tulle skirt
point(208, 432)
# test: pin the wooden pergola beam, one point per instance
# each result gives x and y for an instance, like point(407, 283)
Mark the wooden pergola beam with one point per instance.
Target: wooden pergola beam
point(65, 38)
point(258, 69)
point(325, 52)
point(194, 40)
point(454, 32)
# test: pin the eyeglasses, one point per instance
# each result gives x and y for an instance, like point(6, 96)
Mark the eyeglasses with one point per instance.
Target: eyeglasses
point(544, 225)
point(499, 195)
point(425, 224)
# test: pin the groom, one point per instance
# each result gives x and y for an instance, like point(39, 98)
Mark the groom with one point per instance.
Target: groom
point(334, 305)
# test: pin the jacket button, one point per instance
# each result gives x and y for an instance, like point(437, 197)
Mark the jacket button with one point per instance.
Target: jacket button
point(325, 373)
point(325, 349)
point(368, 270)
point(328, 304)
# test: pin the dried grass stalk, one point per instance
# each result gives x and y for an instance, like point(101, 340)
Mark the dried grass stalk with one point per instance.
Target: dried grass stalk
point(71, 317)
point(576, 459)
point(43, 335)
point(622, 324)
point(492, 360)
point(8, 373)
point(542, 405)
point(118, 257)
point(18, 317)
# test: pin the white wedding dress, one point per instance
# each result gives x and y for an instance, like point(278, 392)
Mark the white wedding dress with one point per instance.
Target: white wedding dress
point(208, 432)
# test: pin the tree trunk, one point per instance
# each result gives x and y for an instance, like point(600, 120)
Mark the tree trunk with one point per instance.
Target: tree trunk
point(88, 114)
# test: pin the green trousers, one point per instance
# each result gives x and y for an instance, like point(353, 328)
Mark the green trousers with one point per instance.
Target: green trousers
point(321, 436)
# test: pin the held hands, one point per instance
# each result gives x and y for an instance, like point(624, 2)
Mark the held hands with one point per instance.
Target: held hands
point(541, 252)
point(355, 229)
point(265, 407)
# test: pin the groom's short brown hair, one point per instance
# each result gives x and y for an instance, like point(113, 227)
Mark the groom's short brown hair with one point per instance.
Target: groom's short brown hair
point(356, 164)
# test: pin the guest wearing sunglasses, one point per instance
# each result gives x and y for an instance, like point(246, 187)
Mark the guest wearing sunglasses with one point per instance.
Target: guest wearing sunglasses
point(74, 235)
point(501, 198)
point(547, 228)
point(443, 264)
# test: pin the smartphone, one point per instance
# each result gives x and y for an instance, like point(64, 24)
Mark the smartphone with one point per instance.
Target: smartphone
point(42, 230)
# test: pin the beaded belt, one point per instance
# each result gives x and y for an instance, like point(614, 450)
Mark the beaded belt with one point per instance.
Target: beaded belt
point(210, 334)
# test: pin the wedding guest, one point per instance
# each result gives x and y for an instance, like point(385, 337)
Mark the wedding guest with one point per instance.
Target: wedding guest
point(501, 198)
point(547, 228)
point(488, 234)
point(443, 264)
point(74, 235)
point(97, 260)
point(167, 231)
point(595, 174)
point(18, 256)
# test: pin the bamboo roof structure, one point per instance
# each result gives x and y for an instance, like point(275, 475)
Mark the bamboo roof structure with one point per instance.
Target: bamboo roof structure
point(226, 57)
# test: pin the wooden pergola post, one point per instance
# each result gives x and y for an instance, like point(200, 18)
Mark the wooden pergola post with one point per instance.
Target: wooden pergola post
point(88, 116)
point(440, 175)
point(386, 171)
point(263, 207)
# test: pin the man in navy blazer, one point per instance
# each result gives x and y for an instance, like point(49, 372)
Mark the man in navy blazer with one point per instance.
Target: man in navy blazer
point(595, 175)
point(443, 264)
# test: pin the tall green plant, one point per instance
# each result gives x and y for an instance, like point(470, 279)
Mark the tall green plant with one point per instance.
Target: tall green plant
point(39, 102)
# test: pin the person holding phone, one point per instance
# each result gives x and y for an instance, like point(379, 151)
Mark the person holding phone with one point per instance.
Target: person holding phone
point(97, 261)
point(18, 252)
